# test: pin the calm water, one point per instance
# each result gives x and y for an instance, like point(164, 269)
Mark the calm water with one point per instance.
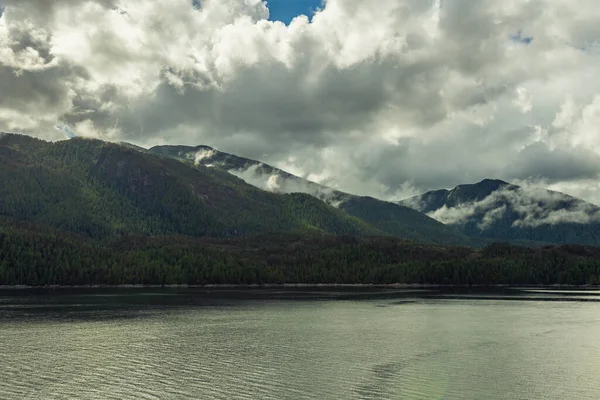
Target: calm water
point(199, 344)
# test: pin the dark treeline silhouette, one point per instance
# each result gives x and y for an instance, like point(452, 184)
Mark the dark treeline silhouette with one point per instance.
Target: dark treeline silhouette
point(29, 256)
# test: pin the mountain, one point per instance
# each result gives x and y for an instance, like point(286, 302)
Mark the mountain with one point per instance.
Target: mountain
point(85, 212)
point(254, 172)
point(499, 210)
point(389, 218)
point(108, 190)
point(105, 190)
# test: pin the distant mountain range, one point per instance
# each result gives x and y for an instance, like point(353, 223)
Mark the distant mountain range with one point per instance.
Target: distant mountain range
point(86, 212)
point(387, 217)
point(486, 211)
point(106, 190)
point(499, 210)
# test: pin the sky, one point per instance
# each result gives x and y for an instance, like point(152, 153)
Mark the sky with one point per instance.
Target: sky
point(387, 100)
point(286, 10)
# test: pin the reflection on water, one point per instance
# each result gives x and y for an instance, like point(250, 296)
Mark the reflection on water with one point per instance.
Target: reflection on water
point(299, 344)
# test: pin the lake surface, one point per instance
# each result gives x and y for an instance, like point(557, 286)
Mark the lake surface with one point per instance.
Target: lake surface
point(299, 344)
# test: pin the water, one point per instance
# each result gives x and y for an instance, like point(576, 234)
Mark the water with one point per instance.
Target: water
point(299, 344)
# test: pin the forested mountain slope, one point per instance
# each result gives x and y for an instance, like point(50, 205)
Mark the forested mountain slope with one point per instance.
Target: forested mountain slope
point(499, 210)
point(103, 189)
point(389, 218)
point(83, 212)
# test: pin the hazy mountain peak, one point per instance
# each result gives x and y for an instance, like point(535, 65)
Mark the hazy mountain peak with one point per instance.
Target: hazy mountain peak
point(484, 186)
point(497, 209)
point(492, 181)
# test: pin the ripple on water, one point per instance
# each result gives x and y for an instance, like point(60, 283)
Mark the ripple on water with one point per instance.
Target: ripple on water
point(307, 350)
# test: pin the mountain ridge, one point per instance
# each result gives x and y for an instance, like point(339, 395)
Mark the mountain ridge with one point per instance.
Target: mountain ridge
point(104, 189)
point(87, 212)
point(500, 210)
point(198, 190)
point(390, 218)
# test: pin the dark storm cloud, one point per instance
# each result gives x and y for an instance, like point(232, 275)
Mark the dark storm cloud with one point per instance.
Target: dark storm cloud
point(539, 161)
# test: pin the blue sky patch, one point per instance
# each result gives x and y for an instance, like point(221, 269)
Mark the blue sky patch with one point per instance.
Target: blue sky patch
point(519, 38)
point(69, 134)
point(286, 10)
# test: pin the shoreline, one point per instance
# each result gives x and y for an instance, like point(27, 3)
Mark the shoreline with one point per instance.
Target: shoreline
point(301, 286)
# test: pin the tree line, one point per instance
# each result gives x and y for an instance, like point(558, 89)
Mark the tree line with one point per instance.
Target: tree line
point(35, 258)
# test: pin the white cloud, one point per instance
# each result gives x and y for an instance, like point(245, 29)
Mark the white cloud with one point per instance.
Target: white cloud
point(533, 205)
point(383, 100)
point(277, 183)
point(523, 100)
point(204, 154)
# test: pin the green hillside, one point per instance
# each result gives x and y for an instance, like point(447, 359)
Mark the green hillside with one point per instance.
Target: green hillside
point(387, 217)
point(103, 190)
point(83, 212)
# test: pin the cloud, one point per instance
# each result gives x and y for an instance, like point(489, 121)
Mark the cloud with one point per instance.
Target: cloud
point(523, 100)
point(69, 134)
point(278, 183)
point(558, 164)
point(586, 189)
point(407, 96)
point(531, 205)
point(204, 154)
